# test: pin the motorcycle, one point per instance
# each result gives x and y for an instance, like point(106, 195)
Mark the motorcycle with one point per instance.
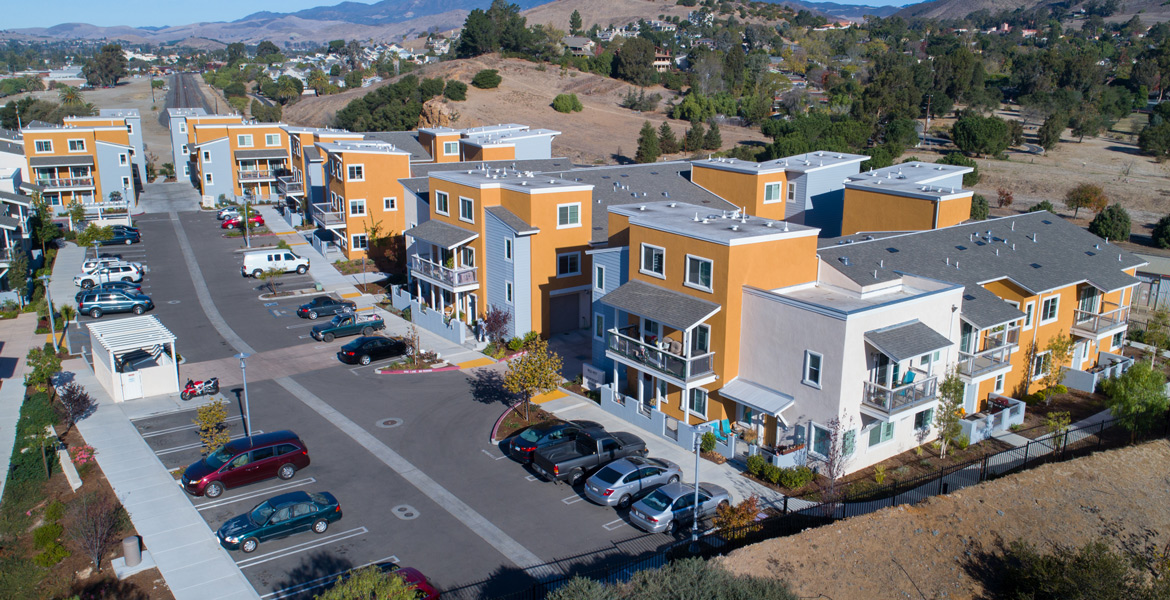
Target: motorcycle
point(200, 388)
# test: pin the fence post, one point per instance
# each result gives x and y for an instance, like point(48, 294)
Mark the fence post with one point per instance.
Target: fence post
point(786, 505)
point(894, 496)
point(1100, 429)
point(1027, 447)
point(983, 469)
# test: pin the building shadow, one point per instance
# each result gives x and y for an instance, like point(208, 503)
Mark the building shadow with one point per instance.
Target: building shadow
point(316, 573)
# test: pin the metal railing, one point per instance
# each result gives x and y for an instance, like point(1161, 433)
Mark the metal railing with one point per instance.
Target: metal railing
point(256, 174)
point(290, 186)
point(679, 367)
point(894, 400)
point(325, 217)
point(451, 276)
point(1095, 323)
point(1008, 336)
point(973, 365)
point(65, 182)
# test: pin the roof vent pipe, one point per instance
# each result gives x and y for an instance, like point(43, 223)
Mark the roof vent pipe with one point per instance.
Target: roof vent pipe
point(882, 263)
point(643, 207)
point(1118, 258)
point(875, 274)
point(956, 264)
point(786, 226)
point(1013, 225)
point(735, 227)
point(672, 205)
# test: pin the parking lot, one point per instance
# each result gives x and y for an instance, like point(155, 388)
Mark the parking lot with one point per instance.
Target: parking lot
point(407, 456)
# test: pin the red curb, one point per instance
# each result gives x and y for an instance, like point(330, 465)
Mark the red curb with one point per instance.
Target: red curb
point(413, 371)
point(500, 421)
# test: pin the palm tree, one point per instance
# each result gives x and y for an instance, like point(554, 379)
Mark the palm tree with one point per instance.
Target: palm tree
point(318, 80)
point(71, 96)
point(67, 312)
point(287, 90)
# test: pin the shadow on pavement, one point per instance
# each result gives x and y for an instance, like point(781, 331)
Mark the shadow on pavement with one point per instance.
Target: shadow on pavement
point(487, 386)
point(317, 572)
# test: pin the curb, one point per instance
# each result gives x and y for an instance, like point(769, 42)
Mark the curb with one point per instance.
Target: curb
point(500, 421)
point(295, 294)
point(415, 371)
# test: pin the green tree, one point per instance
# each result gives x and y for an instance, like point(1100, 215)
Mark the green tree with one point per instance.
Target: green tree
point(455, 90)
point(693, 141)
point(487, 79)
point(1050, 132)
point(45, 364)
point(235, 51)
point(478, 36)
point(1058, 351)
point(978, 135)
point(536, 372)
point(1015, 132)
point(76, 214)
point(668, 144)
point(335, 46)
point(1112, 223)
point(211, 423)
point(369, 583)
point(318, 80)
point(713, 140)
point(648, 150)
point(1087, 120)
point(1042, 205)
point(46, 230)
point(687, 578)
point(1155, 140)
point(980, 210)
point(957, 159)
point(266, 48)
point(567, 103)
point(1161, 235)
point(70, 96)
point(575, 23)
point(106, 67)
point(949, 414)
point(635, 62)
point(1086, 195)
point(288, 89)
point(270, 278)
point(18, 273)
point(1093, 571)
point(93, 233)
point(1137, 398)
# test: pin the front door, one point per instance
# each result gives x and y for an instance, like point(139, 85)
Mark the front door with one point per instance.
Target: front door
point(564, 313)
point(131, 386)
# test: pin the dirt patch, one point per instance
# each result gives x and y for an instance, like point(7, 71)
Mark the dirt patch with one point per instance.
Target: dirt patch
point(926, 550)
point(1079, 405)
point(515, 421)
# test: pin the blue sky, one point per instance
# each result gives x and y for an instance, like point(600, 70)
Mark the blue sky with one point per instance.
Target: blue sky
point(45, 13)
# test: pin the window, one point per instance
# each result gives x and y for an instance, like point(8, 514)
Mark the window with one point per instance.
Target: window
point(207, 178)
point(652, 261)
point(599, 278)
point(244, 141)
point(1029, 313)
point(792, 192)
point(355, 173)
point(701, 340)
point(183, 127)
point(812, 368)
point(272, 139)
point(186, 170)
point(186, 149)
point(568, 264)
point(44, 145)
point(599, 326)
point(125, 183)
point(699, 272)
point(772, 193)
point(1040, 364)
point(508, 292)
point(360, 241)
point(999, 384)
point(389, 203)
point(263, 454)
point(77, 145)
point(357, 208)
point(881, 433)
point(450, 148)
point(441, 205)
point(466, 209)
point(206, 156)
point(468, 257)
point(1049, 309)
point(568, 215)
point(508, 249)
point(924, 419)
point(130, 128)
point(821, 440)
point(123, 159)
point(849, 442)
point(1117, 339)
point(698, 402)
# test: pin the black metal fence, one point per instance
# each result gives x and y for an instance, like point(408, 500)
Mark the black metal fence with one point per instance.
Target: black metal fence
point(619, 561)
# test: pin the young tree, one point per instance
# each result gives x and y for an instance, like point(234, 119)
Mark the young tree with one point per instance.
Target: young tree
point(735, 519)
point(1057, 424)
point(18, 273)
point(270, 277)
point(575, 23)
point(495, 324)
point(76, 214)
point(668, 144)
point(45, 364)
point(693, 142)
point(371, 583)
point(75, 404)
point(1042, 205)
point(98, 520)
point(1161, 233)
point(1158, 332)
point(46, 230)
point(1112, 223)
point(487, 79)
point(1049, 133)
point(93, 233)
point(1059, 351)
point(534, 373)
point(1137, 398)
point(647, 144)
point(1086, 195)
point(842, 444)
point(211, 420)
point(949, 414)
point(713, 140)
point(1004, 197)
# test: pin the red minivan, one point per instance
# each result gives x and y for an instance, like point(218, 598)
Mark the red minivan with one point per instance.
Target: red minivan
point(248, 460)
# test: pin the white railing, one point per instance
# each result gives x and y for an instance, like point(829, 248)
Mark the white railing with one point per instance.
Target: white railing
point(451, 276)
point(66, 182)
point(896, 399)
point(650, 355)
point(326, 217)
point(976, 364)
point(256, 175)
point(290, 186)
point(1095, 323)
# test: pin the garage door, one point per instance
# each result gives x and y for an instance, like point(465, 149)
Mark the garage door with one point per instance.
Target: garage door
point(565, 313)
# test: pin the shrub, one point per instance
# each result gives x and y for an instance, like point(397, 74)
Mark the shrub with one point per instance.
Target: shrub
point(980, 210)
point(879, 474)
point(708, 443)
point(957, 159)
point(52, 554)
point(771, 473)
point(962, 442)
point(515, 344)
point(755, 464)
point(1111, 223)
point(530, 337)
point(47, 534)
point(796, 477)
point(1059, 388)
point(1161, 233)
point(455, 90)
point(737, 518)
point(566, 103)
point(487, 79)
point(54, 511)
point(1042, 205)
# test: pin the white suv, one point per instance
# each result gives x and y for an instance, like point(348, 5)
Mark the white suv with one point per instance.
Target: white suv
point(106, 261)
point(124, 272)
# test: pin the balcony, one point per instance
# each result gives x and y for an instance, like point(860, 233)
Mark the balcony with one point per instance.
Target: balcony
point(1093, 325)
point(257, 175)
point(453, 278)
point(290, 186)
point(50, 183)
point(996, 354)
point(680, 369)
point(887, 402)
point(327, 218)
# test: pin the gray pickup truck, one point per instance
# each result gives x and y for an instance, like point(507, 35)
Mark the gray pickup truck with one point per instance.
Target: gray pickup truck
point(592, 449)
point(348, 324)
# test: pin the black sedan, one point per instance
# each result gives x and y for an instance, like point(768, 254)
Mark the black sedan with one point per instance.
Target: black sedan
point(121, 286)
point(523, 445)
point(126, 229)
point(278, 517)
point(324, 305)
point(367, 349)
point(121, 237)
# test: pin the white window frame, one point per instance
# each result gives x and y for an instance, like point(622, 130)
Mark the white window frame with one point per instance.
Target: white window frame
point(691, 402)
point(1029, 315)
point(880, 427)
point(642, 261)
point(207, 156)
point(687, 274)
point(508, 249)
point(123, 159)
point(1038, 361)
point(446, 203)
point(1117, 340)
point(361, 172)
point(804, 375)
point(78, 140)
point(599, 278)
point(353, 240)
point(999, 382)
point(130, 128)
point(576, 255)
point(183, 127)
point(125, 182)
point(240, 140)
point(599, 326)
point(471, 209)
point(207, 179)
point(269, 137)
point(775, 185)
point(1055, 312)
point(567, 207)
point(352, 203)
point(695, 339)
point(929, 421)
point(791, 191)
point(447, 148)
point(812, 439)
point(43, 146)
point(390, 204)
point(467, 256)
point(509, 293)
point(186, 170)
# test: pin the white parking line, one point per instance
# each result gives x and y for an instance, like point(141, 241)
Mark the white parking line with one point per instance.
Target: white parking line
point(302, 547)
point(299, 325)
point(313, 584)
point(493, 456)
point(197, 444)
point(572, 499)
point(614, 524)
point(531, 478)
point(181, 428)
point(280, 487)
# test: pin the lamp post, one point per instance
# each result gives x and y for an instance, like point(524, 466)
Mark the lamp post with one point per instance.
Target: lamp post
point(247, 410)
point(699, 431)
point(247, 239)
point(49, 300)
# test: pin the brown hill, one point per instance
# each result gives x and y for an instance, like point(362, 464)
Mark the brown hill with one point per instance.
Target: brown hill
point(603, 12)
point(604, 129)
point(1149, 11)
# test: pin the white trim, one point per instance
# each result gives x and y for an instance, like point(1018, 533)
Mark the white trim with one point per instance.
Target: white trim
point(706, 401)
point(509, 293)
point(1055, 312)
point(240, 140)
point(791, 192)
point(446, 144)
point(687, 274)
point(470, 219)
point(349, 207)
point(812, 439)
point(123, 159)
point(567, 206)
point(37, 147)
point(353, 241)
point(599, 274)
point(446, 201)
point(509, 249)
point(642, 261)
point(393, 203)
point(361, 172)
point(779, 185)
point(999, 383)
point(207, 179)
point(1038, 360)
point(577, 255)
point(69, 145)
point(804, 378)
point(270, 135)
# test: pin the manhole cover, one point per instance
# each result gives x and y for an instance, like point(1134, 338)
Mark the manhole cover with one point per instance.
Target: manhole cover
point(388, 423)
point(405, 512)
point(173, 301)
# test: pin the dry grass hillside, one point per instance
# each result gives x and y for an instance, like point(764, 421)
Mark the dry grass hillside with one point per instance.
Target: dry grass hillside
point(604, 12)
point(601, 133)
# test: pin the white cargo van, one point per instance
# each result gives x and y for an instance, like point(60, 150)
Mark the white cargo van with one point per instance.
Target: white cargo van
point(256, 263)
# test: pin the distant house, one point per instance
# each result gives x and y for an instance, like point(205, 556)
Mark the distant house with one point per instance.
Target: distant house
point(610, 35)
point(662, 60)
point(579, 46)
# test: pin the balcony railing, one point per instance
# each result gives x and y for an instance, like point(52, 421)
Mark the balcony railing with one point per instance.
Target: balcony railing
point(290, 186)
point(327, 218)
point(680, 368)
point(1094, 323)
point(1009, 336)
point(894, 400)
point(65, 182)
point(992, 359)
point(257, 175)
point(457, 277)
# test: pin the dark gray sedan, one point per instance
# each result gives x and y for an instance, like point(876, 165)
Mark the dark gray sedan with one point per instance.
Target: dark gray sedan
point(622, 482)
point(671, 506)
point(324, 306)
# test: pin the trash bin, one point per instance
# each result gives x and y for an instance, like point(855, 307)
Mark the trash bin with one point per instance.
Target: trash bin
point(319, 287)
point(132, 551)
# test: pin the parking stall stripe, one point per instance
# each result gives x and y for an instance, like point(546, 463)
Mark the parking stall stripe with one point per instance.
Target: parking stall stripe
point(268, 490)
point(614, 524)
point(195, 445)
point(181, 428)
point(572, 499)
point(313, 584)
point(302, 547)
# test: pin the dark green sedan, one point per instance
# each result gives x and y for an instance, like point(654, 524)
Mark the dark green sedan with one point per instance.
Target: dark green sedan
point(278, 517)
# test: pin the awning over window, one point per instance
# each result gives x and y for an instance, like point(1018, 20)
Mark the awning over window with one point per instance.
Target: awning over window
point(441, 234)
point(906, 341)
point(765, 400)
point(671, 308)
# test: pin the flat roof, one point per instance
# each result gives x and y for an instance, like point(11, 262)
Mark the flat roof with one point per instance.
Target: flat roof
point(367, 146)
point(508, 137)
point(844, 301)
point(119, 112)
point(729, 228)
point(520, 181)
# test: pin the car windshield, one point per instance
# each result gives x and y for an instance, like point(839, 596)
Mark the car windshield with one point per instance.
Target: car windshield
point(530, 435)
point(658, 501)
point(260, 514)
point(336, 321)
point(216, 459)
point(608, 475)
point(318, 498)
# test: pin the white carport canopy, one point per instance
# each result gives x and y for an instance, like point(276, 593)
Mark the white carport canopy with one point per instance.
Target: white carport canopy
point(154, 369)
point(131, 333)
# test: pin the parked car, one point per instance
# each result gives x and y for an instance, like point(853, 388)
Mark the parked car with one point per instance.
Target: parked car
point(126, 228)
point(223, 213)
point(277, 454)
point(623, 482)
point(423, 590)
point(324, 305)
point(237, 222)
point(592, 449)
point(96, 304)
point(279, 516)
point(111, 286)
point(671, 506)
point(256, 263)
point(127, 273)
point(121, 237)
point(522, 445)
point(365, 350)
point(347, 324)
point(106, 261)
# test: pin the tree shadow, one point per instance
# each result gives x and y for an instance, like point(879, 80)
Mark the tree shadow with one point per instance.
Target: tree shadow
point(316, 573)
point(108, 589)
point(621, 159)
point(988, 566)
point(1134, 150)
point(487, 386)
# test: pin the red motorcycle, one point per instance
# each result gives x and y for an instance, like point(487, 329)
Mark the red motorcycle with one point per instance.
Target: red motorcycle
point(200, 388)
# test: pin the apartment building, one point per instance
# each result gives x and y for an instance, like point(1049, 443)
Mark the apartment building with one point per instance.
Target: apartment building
point(234, 160)
point(914, 196)
point(306, 180)
point(361, 192)
point(484, 144)
point(120, 117)
point(82, 162)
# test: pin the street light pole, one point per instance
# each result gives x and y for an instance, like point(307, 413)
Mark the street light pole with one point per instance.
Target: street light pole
point(695, 510)
point(247, 409)
point(49, 300)
point(247, 238)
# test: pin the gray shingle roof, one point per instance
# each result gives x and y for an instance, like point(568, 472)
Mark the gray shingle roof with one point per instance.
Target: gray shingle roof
point(11, 148)
point(81, 160)
point(17, 198)
point(441, 234)
point(9, 134)
point(312, 154)
point(407, 141)
point(259, 154)
point(9, 223)
point(675, 309)
point(511, 220)
point(908, 340)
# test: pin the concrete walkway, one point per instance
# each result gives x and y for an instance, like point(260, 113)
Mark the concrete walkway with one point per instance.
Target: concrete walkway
point(68, 264)
point(17, 336)
point(183, 546)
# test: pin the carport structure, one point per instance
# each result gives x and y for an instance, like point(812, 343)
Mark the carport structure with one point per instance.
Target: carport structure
point(134, 358)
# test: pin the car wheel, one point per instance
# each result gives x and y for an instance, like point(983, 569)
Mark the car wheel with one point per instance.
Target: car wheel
point(128, 279)
point(575, 477)
point(320, 525)
point(128, 242)
point(231, 226)
point(139, 309)
point(249, 545)
point(312, 315)
point(86, 284)
point(365, 360)
point(367, 331)
point(673, 479)
point(286, 471)
point(328, 337)
point(213, 490)
point(301, 270)
point(257, 273)
point(95, 313)
point(625, 501)
point(673, 527)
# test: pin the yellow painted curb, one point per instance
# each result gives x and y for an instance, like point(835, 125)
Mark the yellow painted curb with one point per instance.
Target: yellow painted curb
point(479, 362)
point(549, 397)
point(352, 295)
point(297, 243)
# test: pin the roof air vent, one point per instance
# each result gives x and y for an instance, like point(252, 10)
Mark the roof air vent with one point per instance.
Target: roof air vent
point(844, 260)
point(735, 227)
point(768, 224)
point(786, 226)
point(672, 205)
point(696, 217)
point(643, 207)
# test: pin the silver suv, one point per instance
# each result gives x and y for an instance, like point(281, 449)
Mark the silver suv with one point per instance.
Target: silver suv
point(123, 272)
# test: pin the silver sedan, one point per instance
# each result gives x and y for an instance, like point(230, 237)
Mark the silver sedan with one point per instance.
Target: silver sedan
point(671, 506)
point(623, 481)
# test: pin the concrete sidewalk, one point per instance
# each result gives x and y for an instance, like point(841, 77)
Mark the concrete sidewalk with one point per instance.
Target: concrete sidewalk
point(68, 264)
point(182, 544)
point(17, 336)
